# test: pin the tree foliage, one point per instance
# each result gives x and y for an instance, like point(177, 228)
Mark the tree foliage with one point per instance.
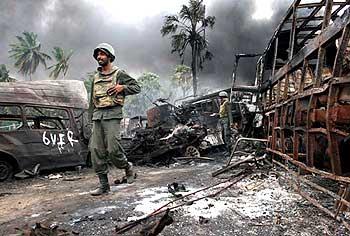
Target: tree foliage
point(182, 78)
point(150, 91)
point(27, 53)
point(4, 74)
point(188, 29)
point(62, 65)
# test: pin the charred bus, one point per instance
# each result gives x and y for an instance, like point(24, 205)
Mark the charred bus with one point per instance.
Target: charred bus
point(304, 82)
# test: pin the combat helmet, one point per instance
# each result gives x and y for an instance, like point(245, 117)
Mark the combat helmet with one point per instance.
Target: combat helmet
point(223, 94)
point(106, 48)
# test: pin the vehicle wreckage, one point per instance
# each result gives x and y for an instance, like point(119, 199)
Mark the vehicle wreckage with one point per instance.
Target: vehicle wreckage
point(303, 88)
point(170, 131)
point(42, 125)
point(189, 130)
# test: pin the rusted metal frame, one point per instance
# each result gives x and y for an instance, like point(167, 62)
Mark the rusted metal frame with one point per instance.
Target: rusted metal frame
point(310, 138)
point(278, 93)
point(318, 205)
point(340, 132)
point(341, 6)
point(293, 33)
point(275, 57)
point(296, 186)
point(280, 25)
point(274, 131)
point(322, 49)
point(340, 80)
point(318, 130)
point(283, 126)
point(309, 5)
point(306, 93)
point(303, 75)
point(295, 133)
point(286, 87)
point(310, 48)
point(308, 28)
point(307, 18)
point(341, 204)
point(301, 36)
point(332, 139)
point(338, 64)
point(337, 197)
point(236, 145)
point(314, 170)
point(265, 99)
point(270, 96)
point(231, 166)
point(311, 16)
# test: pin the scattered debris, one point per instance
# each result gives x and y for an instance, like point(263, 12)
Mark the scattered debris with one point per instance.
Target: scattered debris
point(250, 158)
point(158, 226)
point(28, 173)
point(54, 176)
point(71, 178)
point(43, 230)
point(168, 206)
point(195, 158)
point(175, 187)
point(123, 180)
point(203, 220)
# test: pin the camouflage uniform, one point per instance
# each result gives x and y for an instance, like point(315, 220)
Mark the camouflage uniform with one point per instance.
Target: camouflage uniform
point(106, 113)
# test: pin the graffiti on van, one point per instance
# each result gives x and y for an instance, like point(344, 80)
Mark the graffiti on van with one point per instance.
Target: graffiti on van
point(59, 139)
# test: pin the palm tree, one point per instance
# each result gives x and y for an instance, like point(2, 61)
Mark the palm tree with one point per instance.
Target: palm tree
point(27, 53)
point(188, 29)
point(62, 62)
point(4, 74)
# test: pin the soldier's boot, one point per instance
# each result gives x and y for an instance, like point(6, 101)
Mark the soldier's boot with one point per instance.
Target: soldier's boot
point(104, 186)
point(129, 173)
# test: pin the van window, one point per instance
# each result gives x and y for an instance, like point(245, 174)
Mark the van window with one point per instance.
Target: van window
point(10, 118)
point(47, 118)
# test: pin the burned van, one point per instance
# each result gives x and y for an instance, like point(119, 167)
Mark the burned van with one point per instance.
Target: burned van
point(42, 124)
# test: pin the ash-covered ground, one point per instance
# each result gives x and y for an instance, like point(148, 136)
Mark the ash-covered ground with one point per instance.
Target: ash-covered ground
point(262, 203)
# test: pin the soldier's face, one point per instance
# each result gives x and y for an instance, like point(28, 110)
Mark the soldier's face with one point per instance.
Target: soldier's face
point(102, 58)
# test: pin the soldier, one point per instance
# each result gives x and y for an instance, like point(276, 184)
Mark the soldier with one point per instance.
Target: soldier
point(224, 120)
point(109, 88)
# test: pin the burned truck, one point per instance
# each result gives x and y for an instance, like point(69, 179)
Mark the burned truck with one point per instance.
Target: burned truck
point(42, 125)
point(244, 113)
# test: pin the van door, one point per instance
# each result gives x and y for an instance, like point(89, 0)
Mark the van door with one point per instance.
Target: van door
point(52, 138)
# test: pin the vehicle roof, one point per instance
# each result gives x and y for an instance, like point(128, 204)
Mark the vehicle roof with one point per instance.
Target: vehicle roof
point(60, 93)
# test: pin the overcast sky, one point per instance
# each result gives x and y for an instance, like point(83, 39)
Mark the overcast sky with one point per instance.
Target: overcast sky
point(133, 28)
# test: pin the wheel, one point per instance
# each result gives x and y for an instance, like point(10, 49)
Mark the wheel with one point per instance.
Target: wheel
point(191, 151)
point(6, 170)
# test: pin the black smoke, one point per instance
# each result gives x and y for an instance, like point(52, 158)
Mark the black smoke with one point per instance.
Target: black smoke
point(77, 25)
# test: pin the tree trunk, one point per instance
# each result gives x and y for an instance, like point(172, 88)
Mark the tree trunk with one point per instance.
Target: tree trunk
point(194, 69)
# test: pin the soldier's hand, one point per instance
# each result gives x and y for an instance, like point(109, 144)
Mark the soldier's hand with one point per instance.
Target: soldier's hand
point(118, 88)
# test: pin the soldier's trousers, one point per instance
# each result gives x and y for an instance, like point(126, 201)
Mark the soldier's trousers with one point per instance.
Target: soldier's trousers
point(105, 146)
point(226, 132)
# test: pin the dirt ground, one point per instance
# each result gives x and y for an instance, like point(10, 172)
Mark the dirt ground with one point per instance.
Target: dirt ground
point(260, 204)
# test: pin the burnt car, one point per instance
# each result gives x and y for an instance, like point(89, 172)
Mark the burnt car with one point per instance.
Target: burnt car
point(42, 123)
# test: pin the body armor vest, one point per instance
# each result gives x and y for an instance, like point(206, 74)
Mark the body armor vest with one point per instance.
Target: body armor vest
point(100, 97)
